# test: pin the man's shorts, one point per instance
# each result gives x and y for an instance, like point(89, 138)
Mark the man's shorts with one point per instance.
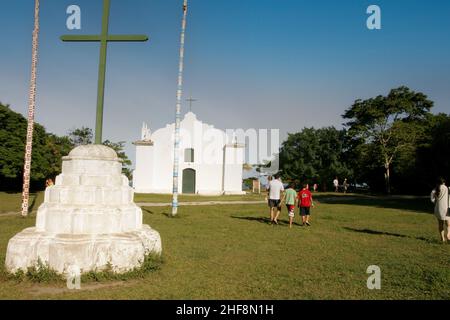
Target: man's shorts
point(291, 210)
point(305, 211)
point(275, 204)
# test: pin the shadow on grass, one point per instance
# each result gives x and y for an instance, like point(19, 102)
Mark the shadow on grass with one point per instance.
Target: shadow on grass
point(382, 233)
point(145, 210)
point(266, 220)
point(33, 203)
point(167, 214)
point(415, 204)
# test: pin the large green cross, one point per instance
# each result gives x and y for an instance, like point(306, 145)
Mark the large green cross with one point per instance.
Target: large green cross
point(104, 38)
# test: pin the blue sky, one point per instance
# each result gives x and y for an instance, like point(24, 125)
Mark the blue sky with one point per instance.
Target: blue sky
point(282, 64)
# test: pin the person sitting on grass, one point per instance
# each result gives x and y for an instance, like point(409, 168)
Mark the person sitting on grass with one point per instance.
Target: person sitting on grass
point(440, 198)
point(290, 198)
point(305, 202)
point(276, 189)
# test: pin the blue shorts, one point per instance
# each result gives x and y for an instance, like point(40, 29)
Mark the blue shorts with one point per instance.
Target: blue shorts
point(305, 211)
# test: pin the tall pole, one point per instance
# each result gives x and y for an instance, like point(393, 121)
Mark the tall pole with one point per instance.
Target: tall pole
point(31, 108)
point(102, 73)
point(176, 160)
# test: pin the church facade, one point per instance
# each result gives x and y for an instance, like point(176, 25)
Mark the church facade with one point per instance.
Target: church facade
point(211, 162)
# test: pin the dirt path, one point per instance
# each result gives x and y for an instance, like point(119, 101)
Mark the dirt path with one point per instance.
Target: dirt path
point(167, 204)
point(37, 290)
point(202, 203)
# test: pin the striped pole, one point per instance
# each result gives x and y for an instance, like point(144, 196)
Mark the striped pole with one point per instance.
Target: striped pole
point(176, 160)
point(31, 108)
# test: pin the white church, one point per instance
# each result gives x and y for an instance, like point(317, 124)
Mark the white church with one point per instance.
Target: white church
point(211, 162)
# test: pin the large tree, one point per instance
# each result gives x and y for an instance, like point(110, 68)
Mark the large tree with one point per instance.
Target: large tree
point(432, 159)
point(390, 124)
point(47, 151)
point(315, 156)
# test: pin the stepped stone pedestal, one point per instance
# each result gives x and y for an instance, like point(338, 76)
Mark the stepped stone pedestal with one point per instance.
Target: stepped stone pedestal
point(88, 220)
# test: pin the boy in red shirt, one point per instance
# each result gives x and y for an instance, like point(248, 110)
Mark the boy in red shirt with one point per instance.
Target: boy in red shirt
point(305, 202)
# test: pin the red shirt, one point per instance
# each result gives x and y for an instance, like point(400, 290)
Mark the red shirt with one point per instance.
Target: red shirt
point(305, 198)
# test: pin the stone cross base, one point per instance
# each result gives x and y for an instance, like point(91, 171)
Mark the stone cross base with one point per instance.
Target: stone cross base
point(88, 220)
point(123, 251)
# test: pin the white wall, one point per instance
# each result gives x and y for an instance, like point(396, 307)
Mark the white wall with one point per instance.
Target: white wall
point(234, 157)
point(142, 176)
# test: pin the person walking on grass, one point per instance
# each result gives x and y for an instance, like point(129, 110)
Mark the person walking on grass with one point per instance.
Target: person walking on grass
point(345, 185)
point(276, 190)
point(336, 184)
point(305, 202)
point(290, 198)
point(269, 180)
point(440, 198)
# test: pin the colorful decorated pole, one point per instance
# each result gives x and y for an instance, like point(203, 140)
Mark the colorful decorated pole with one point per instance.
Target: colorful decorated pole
point(176, 160)
point(31, 108)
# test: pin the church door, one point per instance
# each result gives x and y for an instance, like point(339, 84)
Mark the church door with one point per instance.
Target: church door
point(189, 181)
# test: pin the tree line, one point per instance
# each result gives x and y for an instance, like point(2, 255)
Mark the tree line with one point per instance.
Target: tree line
point(48, 151)
point(391, 144)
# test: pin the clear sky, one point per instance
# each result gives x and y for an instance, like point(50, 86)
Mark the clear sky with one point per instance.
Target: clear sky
point(282, 64)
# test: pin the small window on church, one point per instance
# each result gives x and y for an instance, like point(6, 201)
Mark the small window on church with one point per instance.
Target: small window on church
point(189, 155)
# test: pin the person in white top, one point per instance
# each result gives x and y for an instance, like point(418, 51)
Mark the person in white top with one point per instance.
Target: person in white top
point(440, 198)
point(276, 190)
point(336, 185)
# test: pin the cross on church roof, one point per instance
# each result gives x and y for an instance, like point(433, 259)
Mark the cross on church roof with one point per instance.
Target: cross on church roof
point(190, 100)
point(103, 38)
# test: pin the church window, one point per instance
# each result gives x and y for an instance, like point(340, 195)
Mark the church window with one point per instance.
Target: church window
point(189, 155)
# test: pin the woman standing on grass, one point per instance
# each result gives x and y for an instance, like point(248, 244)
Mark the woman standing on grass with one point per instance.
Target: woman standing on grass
point(440, 198)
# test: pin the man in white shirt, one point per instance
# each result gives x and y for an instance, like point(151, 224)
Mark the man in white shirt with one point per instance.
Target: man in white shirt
point(336, 185)
point(276, 190)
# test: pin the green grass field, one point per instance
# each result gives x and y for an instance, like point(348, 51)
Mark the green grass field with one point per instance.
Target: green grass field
point(11, 202)
point(230, 252)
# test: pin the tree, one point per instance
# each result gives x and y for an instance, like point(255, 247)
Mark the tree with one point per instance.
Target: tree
point(48, 149)
point(80, 137)
point(118, 147)
point(392, 124)
point(315, 156)
point(432, 159)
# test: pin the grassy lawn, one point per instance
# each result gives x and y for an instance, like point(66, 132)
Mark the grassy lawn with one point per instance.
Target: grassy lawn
point(230, 252)
point(11, 202)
